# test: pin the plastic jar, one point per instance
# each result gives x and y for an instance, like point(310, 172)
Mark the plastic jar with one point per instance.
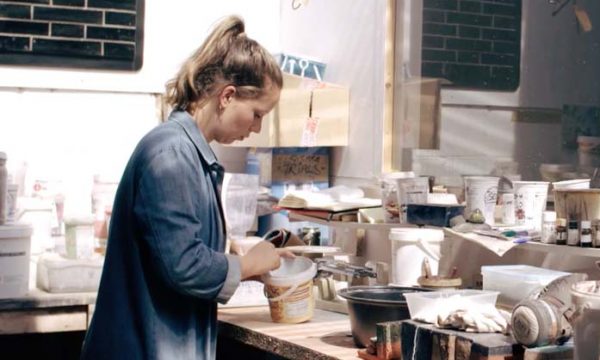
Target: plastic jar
point(79, 237)
point(290, 290)
point(548, 231)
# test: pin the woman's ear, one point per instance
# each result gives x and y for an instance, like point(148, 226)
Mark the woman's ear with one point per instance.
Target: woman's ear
point(226, 96)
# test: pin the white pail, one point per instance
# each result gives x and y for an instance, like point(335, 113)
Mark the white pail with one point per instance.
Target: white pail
point(481, 192)
point(530, 202)
point(289, 290)
point(410, 246)
point(15, 245)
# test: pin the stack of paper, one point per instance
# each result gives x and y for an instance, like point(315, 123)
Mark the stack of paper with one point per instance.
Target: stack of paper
point(337, 198)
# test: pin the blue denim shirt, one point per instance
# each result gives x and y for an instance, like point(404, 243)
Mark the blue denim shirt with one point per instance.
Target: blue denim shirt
point(165, 267)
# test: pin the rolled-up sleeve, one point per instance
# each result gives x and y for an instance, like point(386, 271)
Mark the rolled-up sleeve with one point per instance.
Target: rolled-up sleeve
point(171, 209)
point(232, 281)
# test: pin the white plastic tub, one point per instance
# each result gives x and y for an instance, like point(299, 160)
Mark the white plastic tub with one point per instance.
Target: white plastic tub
point(418, 302)
point(15, 244)
point(289, 289)
point(57, 274)
point(516, 282)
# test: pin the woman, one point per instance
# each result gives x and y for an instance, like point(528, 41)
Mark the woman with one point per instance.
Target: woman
point(165, 267)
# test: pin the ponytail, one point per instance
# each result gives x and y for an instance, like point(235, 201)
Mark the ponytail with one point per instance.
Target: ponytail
point(227, 57)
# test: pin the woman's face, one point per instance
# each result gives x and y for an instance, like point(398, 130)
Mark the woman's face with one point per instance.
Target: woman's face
point(240, 117)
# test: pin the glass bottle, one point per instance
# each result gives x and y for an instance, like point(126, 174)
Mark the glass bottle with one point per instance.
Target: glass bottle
point(596, 233)
point(573, 233)
point(548, 223)
point(561, 231)
point(585, 239)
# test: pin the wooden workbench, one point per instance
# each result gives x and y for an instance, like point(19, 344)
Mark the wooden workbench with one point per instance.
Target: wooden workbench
point(326, 336)
point(42, 312)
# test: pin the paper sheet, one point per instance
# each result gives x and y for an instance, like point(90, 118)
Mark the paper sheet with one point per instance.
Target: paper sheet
point(499, 247)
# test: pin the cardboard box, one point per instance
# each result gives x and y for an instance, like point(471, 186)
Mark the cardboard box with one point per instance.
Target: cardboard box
point(309, 113)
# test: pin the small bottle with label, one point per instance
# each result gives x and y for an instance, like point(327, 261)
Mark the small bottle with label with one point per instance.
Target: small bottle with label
point(548, 232)
point(508, 209)
point(573, 233)
point(596, 233)
point(585, 239)
point(561, 231)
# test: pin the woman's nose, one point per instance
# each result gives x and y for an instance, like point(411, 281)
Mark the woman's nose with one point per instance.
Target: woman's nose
point(256, 126)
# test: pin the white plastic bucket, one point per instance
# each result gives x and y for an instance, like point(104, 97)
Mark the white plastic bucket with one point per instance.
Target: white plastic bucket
point(586, 320)
point(15, 243)
point(289, 290)
point(481, 192)
point(410, 246)
point(530, 202)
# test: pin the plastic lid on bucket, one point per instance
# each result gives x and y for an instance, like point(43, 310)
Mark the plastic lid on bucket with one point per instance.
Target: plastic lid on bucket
point(15, 231)
point(292, 271)
point(417, 234)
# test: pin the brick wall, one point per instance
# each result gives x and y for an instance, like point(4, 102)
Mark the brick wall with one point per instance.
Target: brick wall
point(105, 34)
point(473, 44)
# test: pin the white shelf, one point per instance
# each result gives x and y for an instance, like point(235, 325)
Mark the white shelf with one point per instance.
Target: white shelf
point(347, 224)
point(500, 247)
point(563, 249)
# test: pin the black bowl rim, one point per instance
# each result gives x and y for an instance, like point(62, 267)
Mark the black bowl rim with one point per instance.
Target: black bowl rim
point(346, 293)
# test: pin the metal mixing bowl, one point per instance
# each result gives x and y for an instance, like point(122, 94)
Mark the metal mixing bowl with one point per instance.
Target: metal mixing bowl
point(369, 305)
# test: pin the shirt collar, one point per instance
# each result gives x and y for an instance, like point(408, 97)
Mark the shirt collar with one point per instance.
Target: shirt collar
point(185, 120)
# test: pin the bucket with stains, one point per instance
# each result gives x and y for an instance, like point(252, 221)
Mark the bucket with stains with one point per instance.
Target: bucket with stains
point(289, 290)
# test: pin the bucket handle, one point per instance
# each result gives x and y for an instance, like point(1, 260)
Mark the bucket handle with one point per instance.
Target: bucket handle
point(283, 296)
point(427, 249)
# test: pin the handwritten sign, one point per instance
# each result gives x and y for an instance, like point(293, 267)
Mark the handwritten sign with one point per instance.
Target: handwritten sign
point(300, 167)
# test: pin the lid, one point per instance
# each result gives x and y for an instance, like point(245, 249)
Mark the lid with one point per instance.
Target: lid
point(15, 231)
point(549, 216)
point(524, 273)
point(417, 234)
point(79, 220)
point(291, 272)
point(2, 155)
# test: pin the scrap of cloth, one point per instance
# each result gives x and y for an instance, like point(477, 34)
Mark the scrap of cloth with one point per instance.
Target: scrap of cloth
point(458, 312)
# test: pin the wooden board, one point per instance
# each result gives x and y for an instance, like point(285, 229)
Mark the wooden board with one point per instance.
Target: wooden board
point(326, 336)
point(72, 318)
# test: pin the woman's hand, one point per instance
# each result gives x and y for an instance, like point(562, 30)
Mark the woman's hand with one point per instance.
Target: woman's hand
point(261, 258)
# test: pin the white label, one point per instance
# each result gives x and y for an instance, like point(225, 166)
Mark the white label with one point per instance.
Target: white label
point(297, 308)
point(309, 133)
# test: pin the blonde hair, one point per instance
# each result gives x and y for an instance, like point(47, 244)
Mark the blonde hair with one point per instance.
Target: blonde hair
point(227, 57)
